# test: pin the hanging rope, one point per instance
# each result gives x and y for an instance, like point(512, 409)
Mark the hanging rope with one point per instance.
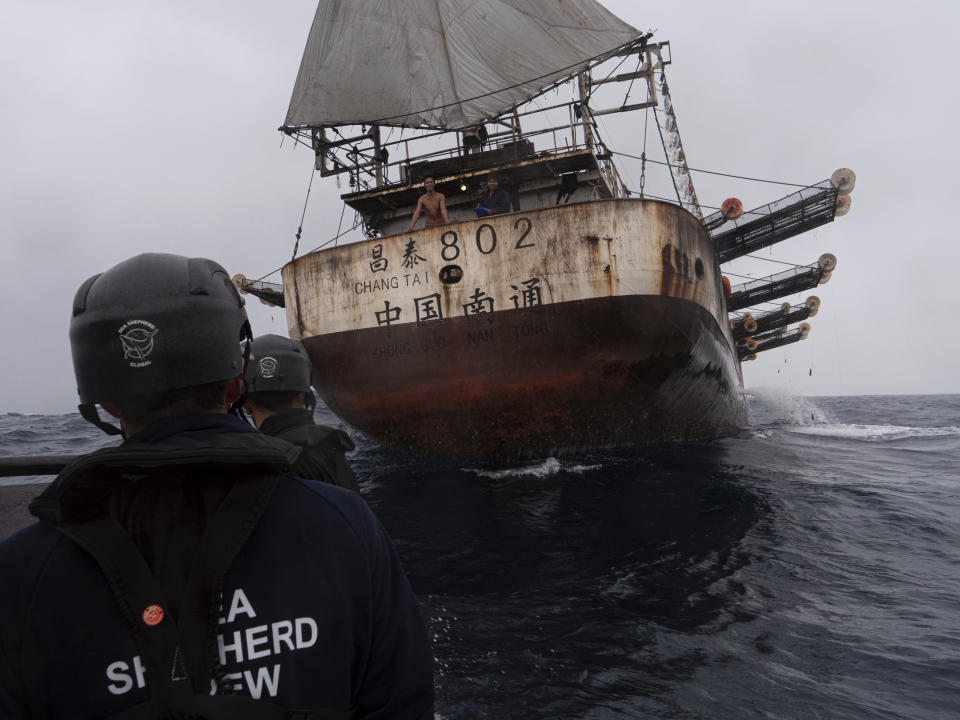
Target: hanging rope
point(340, 224)
point(643, 155)
point(296, 245)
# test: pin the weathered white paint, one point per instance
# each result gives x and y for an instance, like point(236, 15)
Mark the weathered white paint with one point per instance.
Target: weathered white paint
point(587, 250)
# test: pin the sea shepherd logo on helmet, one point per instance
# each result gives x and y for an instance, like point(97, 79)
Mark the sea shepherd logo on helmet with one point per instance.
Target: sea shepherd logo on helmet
point(136, 336)
point(268, 367)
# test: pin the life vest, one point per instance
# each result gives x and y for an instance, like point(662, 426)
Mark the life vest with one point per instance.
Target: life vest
point(179, 655)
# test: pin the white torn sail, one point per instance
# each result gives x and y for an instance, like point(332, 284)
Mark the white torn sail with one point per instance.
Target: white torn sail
point(442, 63)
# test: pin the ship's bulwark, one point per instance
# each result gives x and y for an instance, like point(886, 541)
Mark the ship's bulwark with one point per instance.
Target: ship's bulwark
point(624, 341)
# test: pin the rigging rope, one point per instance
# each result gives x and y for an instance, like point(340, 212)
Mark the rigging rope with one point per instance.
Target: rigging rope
point(702, 205)
point(586, 100)
point(671, 200)
point(340, 224)
point(296, 245)
point(630, 86)
point(781, 262)
point(714, 172)
point(333, 239)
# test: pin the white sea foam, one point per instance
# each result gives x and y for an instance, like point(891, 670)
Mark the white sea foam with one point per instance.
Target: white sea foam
point(550, 466)
point(775, 406)
point(871, 433)
point(776, 410)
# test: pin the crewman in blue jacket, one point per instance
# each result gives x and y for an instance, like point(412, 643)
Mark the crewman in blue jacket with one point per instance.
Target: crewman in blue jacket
point(186, 573)
point(494, 201)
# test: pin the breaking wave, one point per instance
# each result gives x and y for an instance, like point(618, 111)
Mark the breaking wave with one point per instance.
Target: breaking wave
point(548, 468)
point(871, 433)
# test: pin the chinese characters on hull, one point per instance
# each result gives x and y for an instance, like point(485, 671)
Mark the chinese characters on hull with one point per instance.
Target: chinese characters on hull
point(379, 263)
point(479, 305)
point(388, 316)
point(428, 308)
point(410, 257)
point(530, 295)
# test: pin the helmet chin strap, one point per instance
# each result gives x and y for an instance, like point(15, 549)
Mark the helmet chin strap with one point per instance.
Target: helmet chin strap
point(88, 411)
point(236, 407)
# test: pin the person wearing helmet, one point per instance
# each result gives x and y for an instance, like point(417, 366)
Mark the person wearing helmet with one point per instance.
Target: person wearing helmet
point(280, 401)
point(186, 573)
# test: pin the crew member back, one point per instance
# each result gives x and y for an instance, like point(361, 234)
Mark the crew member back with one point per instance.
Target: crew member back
point(280, 400)
point(323, 447)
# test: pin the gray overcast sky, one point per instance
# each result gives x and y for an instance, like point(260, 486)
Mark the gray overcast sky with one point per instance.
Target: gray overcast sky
point(133, 127)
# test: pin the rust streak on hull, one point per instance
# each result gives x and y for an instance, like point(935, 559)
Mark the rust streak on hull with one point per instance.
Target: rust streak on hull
point(568, 377)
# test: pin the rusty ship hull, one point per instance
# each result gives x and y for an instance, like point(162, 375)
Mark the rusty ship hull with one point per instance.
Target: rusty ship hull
point(564, 329)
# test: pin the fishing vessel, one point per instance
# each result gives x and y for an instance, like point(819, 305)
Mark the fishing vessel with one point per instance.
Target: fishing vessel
point(588, 315)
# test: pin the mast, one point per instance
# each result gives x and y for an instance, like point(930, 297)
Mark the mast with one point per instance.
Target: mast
point(586, 121)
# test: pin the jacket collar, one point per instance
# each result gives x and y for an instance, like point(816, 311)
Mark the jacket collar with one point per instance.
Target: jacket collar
point(189, 424)
point(286, 419)
point(219, 444)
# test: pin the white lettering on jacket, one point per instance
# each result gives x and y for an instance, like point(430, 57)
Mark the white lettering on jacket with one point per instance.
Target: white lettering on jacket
point(265, 640)
point(240, 605)
point(238, 647)
point(119, 672)
point(269, 679)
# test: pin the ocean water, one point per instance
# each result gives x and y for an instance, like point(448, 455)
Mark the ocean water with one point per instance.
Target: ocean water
point(809, 568)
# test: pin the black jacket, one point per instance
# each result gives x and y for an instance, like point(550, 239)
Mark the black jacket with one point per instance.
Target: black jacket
point(315, 610)
point(496, 202)
point(323, 447)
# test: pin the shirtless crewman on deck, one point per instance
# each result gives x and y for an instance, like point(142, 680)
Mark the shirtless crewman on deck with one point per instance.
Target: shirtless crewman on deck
point(434, 204)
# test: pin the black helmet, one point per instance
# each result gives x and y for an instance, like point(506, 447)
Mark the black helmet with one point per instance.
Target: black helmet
point(153, 323)
point(277, 363)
